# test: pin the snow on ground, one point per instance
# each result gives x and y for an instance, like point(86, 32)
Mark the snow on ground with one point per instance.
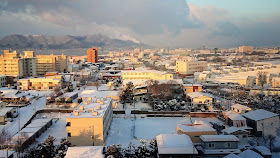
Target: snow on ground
point(25, 113)
point(57, 129)
point(122, 130)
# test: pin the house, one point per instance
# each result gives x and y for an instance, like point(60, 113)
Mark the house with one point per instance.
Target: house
point(235, 119)
point(175, 145)
point(85, 152)
point(216, 146)
point(189, 88)
point(240, 108)
point(240, 133)
point(195, 130)
point(263, 122)
point(200, 100)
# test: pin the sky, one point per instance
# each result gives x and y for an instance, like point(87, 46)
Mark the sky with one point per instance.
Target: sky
point(160, 23)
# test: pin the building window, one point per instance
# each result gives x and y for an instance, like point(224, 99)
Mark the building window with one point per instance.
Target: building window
point(68, 134)
point(228, 145)
point(68, 124)
point(244, 136)
point(211, 145)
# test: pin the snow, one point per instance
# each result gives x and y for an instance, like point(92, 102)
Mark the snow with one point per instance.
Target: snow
point(175, 144)
point(197, 126)
point(3, 153)
point(240, 107)
point(4, 111)
point(123, 131)
point(262, 149)
point(85, 152)
point(249, 154)
point(232, 156)
point(58, 128)
point(231, 130)
point(199, 94)
point(259, 114)
point(234, 116)
point(25, 114)
point(218, 138)
point(190, 85)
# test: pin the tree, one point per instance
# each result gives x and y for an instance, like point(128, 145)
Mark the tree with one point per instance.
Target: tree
point(5, 138)
point(115, 151)
point(262, 77)
point(127, 94)
point(270, 139)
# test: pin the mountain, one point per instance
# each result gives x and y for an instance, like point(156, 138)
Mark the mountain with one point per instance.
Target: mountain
point(62, 42)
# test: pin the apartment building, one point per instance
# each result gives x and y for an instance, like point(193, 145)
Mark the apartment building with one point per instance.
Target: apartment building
point(185, 67)
point(245, 49)
point(146, 75)
point(13, 63)
point(40, 84)
point(92, 55)
point(46, 63)
point(88, 125)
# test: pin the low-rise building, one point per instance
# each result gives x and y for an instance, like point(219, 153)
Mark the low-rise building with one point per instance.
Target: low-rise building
point(146, 75)
point(6, 113)
point(85, 152)
point(195, 130)
point(240, 108)
point(3, 80)
point(263, 122)
point(200, 100)
point(190, 67)
point(174, 145)
point(40, 84)
point(216, 146)
point(88, 125)
point(240, 133)
point(189, 88)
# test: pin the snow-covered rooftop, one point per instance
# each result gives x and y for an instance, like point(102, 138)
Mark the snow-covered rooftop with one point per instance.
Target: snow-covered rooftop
point(259, 115)
point(85, 152)
point(240, 107)
point(249, 154)
point(199, 94)
point(4, 111)
point(175, 144)
point(190, 85)
point(234, 116)
point(219, 138)
point(232, 156)
point(197, 126)
point(86, 110)
point(262, 149)
point(231, 130)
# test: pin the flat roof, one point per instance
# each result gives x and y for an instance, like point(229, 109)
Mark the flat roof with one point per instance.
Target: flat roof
point(175, 144)
point(259, 114)
point(195, 127)
point(219, 138)
point(86, 113)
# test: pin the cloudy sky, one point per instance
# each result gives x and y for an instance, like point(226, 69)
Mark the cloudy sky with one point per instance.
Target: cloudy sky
point(174, 23)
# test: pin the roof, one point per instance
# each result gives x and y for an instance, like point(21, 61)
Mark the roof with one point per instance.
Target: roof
point(197, 126)
point(234, 116)
point(232, 156)
point(219, 138)
point(249, 154)
point(175, 144)
point(4, 111)
point(199, 94)
point(240, 107)
point(231, 130)
point(263, 150)
point(85, 152)
point(3, 153)
point(259, 115)
point(190, 85)
point(86, 113)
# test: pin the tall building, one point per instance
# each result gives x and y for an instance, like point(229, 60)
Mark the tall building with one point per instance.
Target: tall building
point(92, 55)
point(47, 63)
point(190, 67)
point(12, 63)
point(245, 49)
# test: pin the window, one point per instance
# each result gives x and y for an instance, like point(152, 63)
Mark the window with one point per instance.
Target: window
point(68, 134)
point(244, 136)
point(68, 124)
point(228, 145)
point(211, 145)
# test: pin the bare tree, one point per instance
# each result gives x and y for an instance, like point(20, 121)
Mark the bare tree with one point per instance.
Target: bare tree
point(5, 138)
point(270, 139)
point(262, 77)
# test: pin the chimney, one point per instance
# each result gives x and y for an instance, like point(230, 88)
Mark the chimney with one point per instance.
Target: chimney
point(95, 113)
point(76, 113)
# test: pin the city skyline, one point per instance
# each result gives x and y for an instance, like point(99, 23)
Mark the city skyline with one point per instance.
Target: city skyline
point(182, 23)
